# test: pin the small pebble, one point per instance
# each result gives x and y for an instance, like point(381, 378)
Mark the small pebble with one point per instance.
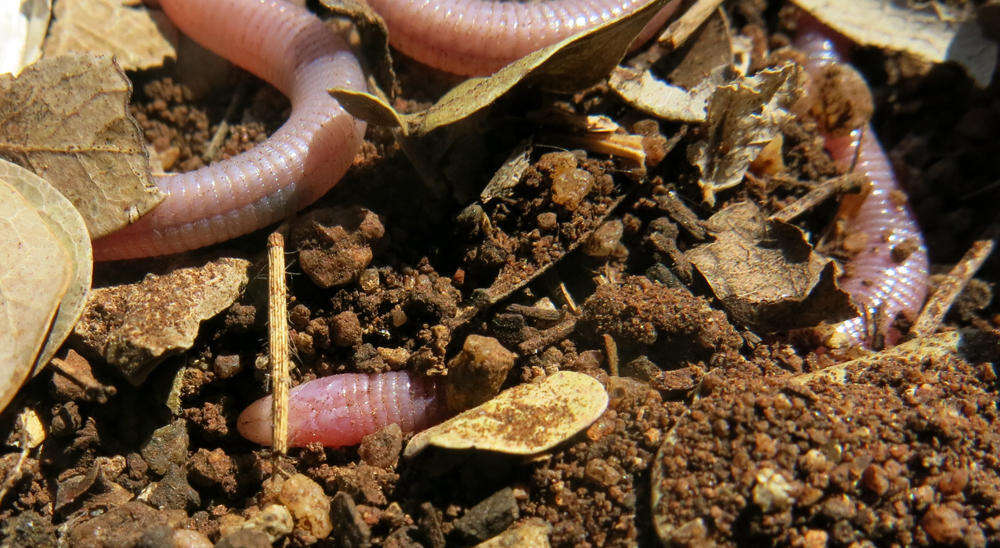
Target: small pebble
point(308, 504)
point(606, 240)
point(352, 531)
point(345, 329)
point(488, 518)
point(274, 520)
point(942, 524)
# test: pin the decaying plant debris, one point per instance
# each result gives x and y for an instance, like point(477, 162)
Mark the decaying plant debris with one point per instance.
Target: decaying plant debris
point(630, 251)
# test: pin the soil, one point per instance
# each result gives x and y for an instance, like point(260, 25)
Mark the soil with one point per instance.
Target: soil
point(713, 434)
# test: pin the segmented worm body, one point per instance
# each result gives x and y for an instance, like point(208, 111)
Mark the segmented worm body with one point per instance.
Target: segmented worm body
point(475, 37)
point(341, 409)
point(883, 285)
point(295, 52)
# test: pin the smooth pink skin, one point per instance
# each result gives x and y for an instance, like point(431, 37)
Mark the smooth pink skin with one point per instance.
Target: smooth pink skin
point(877, 283)
point(476, 37)
point(295, 52)
point(339, 410)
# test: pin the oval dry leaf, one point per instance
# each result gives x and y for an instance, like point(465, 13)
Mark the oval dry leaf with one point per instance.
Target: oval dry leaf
point(35, 271)
point(68, 226)
point(524, 420)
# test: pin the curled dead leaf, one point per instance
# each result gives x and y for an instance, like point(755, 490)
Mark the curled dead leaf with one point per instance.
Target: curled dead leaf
point(766, 273)
point(67, 225)
point(22, 29)
point(923, 33)
point(743, 117)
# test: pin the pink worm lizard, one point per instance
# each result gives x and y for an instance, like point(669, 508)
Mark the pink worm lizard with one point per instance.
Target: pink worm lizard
point(296, 53)
point(881, 284)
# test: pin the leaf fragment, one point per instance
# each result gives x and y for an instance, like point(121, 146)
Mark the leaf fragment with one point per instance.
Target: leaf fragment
point(923, 33)
point(524, 420)
point(743, 117)
point(67, 226)
point(23, 24)
point(138, 37)
point(66, 119)
point(766, 274)
point(35, 271)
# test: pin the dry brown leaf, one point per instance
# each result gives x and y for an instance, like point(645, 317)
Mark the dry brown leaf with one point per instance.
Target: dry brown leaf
point(524, 420)
point(23, 24)
point(766, 274)
point(925, 34)
point(135, 326)
point(743, 117)
point(645, 92)
point(509, 175)
point(35, 271)
point(375, 36)
point(65, 118)
point(138, 37)
point(67, 225)
point(572, 64)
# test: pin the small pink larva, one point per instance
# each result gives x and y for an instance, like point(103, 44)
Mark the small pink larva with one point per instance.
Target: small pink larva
point(341, 409)
point(878, 281)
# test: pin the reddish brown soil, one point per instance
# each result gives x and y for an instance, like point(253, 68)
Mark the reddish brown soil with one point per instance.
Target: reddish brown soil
point(705, 418)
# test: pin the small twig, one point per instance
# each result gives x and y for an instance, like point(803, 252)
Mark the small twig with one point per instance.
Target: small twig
point(277, 315)
point(948, 290)
point(547, 337)
point(680, 30)
point(569, 299)
point(837, 185)
point(221, 132)
point(536, 312)
point(30, 438)
point(675, 208)
point(611, 349)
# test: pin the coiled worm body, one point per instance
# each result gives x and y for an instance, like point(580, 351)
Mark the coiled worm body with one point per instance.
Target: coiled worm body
point(879, 283)
point(295, 52)
point(341, 409)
